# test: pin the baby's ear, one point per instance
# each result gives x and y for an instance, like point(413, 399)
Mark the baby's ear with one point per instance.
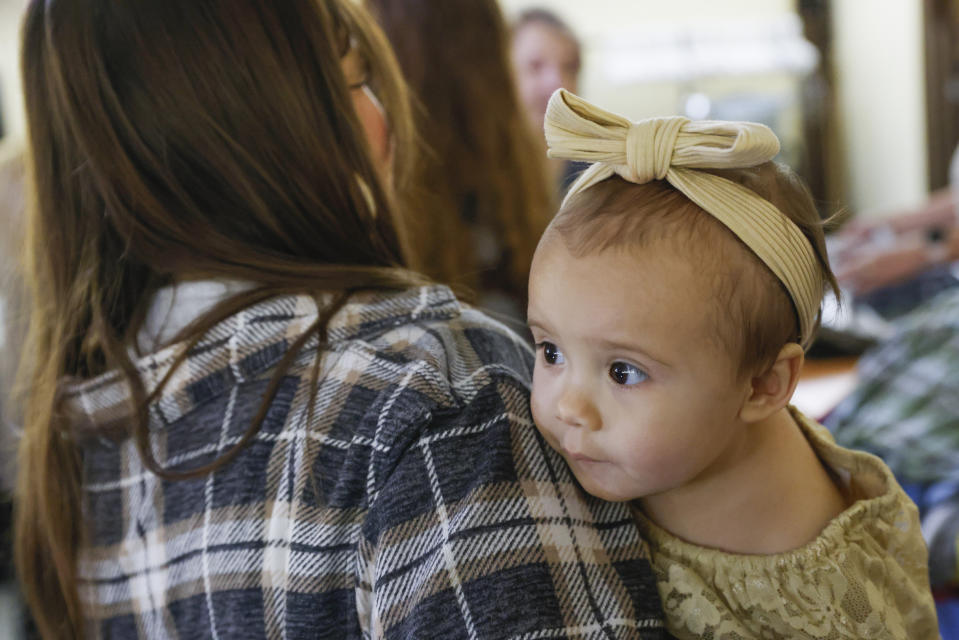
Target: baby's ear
point(772, 390)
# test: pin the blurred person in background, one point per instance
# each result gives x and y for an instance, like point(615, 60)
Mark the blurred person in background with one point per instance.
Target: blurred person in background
point(904, 406)
point(246, 416)
point(484, 197)
point(898, 260)
point(547, 56)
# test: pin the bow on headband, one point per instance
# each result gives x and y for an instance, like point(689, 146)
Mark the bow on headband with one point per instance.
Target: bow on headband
point(673, 149)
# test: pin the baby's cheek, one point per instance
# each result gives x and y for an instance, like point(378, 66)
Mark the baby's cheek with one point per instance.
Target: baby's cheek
point(538, 407)
point(534, 407)
point(655, 463)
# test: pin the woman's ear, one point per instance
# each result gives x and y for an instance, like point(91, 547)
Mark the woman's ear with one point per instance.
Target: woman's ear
point(772, 390)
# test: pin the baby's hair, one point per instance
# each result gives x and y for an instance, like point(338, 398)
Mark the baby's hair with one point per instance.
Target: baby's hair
point(754, 313)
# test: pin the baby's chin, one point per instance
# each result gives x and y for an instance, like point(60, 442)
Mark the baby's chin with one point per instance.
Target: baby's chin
point(586, 480)
point(593, 487)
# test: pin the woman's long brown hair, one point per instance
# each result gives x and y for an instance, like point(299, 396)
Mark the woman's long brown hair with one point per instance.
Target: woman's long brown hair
point(484, 160)
point(178, 139)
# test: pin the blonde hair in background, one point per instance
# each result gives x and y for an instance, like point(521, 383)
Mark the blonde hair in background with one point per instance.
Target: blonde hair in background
point(482, 159)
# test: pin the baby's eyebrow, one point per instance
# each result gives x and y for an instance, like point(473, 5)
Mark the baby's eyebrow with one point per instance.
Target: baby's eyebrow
point(532, 320)
point(625, 346)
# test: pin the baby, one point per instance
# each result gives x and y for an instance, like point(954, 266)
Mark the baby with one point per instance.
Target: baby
point(671, 300)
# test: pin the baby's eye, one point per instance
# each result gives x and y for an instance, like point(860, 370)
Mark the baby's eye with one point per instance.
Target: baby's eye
point(551, 354)
point(626, 374)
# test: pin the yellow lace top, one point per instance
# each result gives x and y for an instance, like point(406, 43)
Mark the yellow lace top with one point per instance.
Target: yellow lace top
point(864, 576)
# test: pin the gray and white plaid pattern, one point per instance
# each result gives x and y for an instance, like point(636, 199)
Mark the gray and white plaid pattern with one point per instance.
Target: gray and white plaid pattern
point(905, 408)
point(417, 502)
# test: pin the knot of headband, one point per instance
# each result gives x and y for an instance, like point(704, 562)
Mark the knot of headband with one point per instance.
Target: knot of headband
point(673, 149)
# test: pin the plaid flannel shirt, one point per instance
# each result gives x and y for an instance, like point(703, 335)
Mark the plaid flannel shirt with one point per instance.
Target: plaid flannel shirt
point(905, 408)
point(416, 501)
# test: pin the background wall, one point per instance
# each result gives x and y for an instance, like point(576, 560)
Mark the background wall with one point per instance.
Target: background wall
point(880, 84)
point(879, 79)
point(616, 33)
point(10, 100)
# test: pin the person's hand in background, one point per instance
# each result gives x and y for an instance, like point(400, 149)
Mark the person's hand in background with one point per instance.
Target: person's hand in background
point(865, 270)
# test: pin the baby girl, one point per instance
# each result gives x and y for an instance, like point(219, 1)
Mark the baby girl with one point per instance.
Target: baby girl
point(671, 301)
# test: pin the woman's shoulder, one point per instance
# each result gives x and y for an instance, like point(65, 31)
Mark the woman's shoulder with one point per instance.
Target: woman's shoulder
point(421, 337)
point(435, 362)
point(428, 328)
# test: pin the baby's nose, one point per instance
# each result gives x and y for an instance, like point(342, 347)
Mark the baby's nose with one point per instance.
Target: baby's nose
point(577, 409)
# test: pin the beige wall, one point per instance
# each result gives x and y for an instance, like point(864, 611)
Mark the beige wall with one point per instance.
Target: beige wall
point(10, 96)
point(878, 54)
point(879, 72)
point(595, 17)
point(645, 58)
point(881, 94)
point(605, 26)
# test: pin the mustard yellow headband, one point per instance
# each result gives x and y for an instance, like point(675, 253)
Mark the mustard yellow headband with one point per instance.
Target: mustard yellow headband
point(673, 149)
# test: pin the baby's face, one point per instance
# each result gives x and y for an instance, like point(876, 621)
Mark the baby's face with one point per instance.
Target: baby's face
point(631, 385)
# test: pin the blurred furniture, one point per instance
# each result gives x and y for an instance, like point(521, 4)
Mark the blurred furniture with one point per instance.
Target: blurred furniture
point(823, 383)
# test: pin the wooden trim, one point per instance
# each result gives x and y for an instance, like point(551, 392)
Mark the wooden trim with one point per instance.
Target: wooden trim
point(821, 165)
point(941, 38)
